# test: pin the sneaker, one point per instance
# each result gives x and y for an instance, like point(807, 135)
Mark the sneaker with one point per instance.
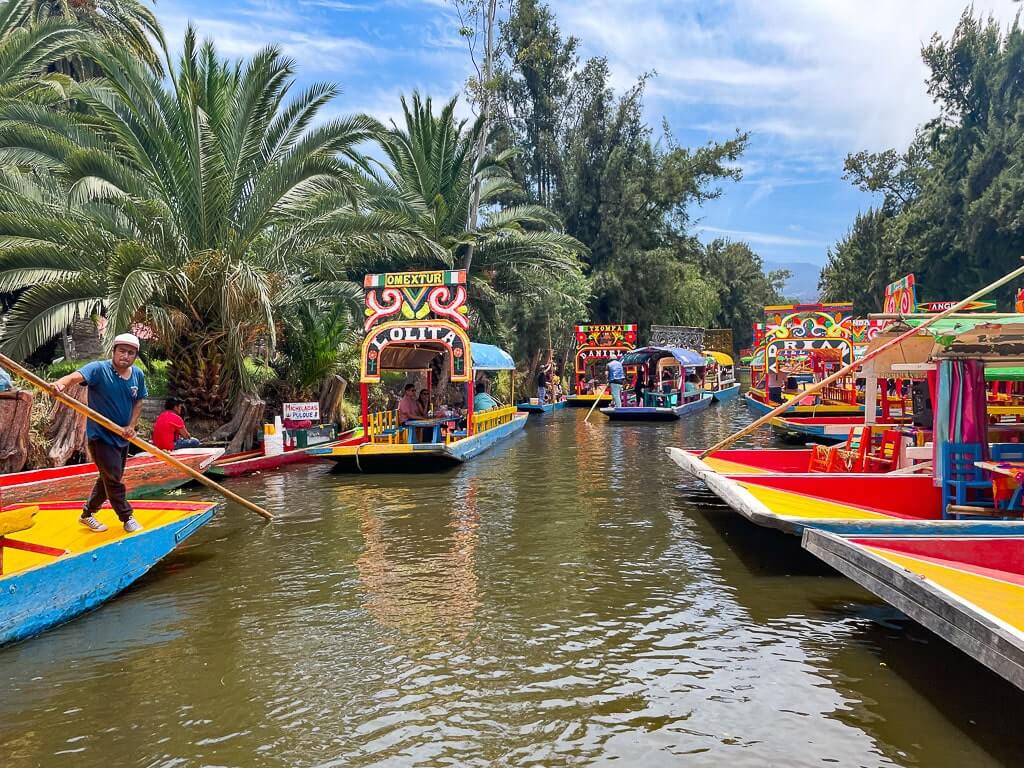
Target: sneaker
point(92, 524)
point(131, 525)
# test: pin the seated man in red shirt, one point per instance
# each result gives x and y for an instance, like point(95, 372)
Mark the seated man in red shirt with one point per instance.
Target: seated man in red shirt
point(169, 431)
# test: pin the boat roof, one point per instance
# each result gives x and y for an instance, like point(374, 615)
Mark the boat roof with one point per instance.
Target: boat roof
point(686, 357)
point(418, 356)
point(719, 357)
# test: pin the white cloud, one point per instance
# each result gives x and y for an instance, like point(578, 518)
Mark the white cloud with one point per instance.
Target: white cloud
point(764, 238)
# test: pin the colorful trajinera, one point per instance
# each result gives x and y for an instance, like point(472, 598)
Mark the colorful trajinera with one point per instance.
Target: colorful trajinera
point(720, 376)
point(418, 321)
point(595, 345)
point(144, 475)
point(52, 568)
point(804, 342)
point(661, 390)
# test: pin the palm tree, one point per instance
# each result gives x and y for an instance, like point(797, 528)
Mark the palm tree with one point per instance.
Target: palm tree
point(28, 47)
point(428, 182)
point(203, 207)
point(130, 24)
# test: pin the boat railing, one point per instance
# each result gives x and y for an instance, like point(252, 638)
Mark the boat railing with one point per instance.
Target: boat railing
point(495, 417)
point(384, 424)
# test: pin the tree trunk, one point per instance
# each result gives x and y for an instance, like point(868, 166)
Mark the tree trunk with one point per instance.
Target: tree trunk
point(332, 392)
point(15, 417)
point(67, 429)
point(241, 430)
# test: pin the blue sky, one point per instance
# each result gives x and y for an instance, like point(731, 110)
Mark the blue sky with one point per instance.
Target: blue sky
point(810, 79)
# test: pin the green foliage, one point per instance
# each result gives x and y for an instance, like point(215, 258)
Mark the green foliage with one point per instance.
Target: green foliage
point(316, 341)
point(259, 373)
point(951, 204)
point(742, 287)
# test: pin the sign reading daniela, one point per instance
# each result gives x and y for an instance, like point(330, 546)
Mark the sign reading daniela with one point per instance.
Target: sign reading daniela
point(301, 411)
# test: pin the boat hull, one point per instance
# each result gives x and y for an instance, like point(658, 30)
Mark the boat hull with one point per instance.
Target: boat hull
point(144, 475)
point(56, 590)
point(728, 393)
point(760, 409)
point(877, 504)
point(541, 409)
point(417, 457)
point(586, 401)
point(827, 430)
point(968, 590)
point(628, 413)
point(250, 462)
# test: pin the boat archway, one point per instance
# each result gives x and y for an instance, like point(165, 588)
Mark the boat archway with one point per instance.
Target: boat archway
point(401, 345)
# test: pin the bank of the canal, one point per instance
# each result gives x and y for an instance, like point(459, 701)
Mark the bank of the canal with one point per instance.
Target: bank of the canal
point(567, 599)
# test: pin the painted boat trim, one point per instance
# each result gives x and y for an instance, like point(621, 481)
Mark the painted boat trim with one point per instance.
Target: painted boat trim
point(737, 497)
point(546, 408)
point(975, 631)
point(53, 593)
point(726, 393)
point(585, 401)
point(633, 413)
point(760, 409)
point(245, 464)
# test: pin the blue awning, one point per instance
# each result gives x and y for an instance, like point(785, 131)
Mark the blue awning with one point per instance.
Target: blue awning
point(686, 357)
point(487, 357)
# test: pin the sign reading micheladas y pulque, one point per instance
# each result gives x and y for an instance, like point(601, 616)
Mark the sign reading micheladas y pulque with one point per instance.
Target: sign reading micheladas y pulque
point(425, 310)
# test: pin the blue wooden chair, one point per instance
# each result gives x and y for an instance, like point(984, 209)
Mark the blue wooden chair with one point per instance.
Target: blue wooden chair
point(960, 476)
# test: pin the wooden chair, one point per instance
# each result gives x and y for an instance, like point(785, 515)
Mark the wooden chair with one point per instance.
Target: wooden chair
point(960, 477)
point(821, 457)
point(16, 521)
point(887, 456)
point(850, 456)
point(1007, 488)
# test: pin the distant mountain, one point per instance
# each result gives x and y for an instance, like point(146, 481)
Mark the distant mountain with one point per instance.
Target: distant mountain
point(802, 285)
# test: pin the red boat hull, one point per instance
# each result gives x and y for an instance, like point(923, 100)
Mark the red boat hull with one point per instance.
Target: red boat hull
point(144, 475)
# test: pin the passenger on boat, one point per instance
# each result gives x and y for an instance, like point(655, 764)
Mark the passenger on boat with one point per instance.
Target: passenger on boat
point(616, 378)
point(424, 403)
point(169, 432)
point(542, 383)
point(408, 406)
point(481, 400)
point(116, 390)
point(692, 388)
point(776, 380)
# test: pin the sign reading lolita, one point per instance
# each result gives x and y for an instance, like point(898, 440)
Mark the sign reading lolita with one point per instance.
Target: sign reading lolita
point(410, 313)
point(794, 330)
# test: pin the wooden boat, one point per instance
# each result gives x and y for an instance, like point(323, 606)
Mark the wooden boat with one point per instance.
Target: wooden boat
point(966, 589)
point(720, 376)
point(537, 408)
point(667, 367)
point(144, 475)
point(884, 504)
point(432, 327)
point(595, 345)
point(249, 462)
point(817, 429)
point(666, 413)
point(759, 405)
point(53, 568)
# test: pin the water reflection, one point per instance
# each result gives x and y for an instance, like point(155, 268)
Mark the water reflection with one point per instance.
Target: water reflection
point(570, 599)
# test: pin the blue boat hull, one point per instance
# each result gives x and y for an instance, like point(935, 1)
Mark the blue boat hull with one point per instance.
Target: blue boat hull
point(43, 597)
point(546, 408)
point(658, 414)
point(728, 393)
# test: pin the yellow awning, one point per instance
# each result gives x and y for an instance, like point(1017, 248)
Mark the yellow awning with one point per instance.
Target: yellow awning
point(720, 357)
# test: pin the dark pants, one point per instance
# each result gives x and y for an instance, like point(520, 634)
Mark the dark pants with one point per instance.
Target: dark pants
point(110, 461)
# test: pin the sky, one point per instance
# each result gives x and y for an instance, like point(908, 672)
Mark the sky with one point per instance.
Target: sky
point(811, 80)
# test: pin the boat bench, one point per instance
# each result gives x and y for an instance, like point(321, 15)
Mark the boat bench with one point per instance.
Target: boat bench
point(16, 521)
point(387, 435)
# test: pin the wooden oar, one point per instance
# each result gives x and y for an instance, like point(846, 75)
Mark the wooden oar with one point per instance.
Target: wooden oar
point(857, 363)
point(596, 401)
point(102, 420)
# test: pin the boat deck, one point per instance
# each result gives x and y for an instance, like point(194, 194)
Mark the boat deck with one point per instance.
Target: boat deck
point(967, 589)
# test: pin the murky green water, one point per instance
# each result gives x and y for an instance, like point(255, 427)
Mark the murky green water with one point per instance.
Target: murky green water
point(566, 599)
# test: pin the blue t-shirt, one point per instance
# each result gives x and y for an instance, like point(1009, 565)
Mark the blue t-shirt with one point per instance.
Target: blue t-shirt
point(484, 402)
point(113, 397)
point(615, 371)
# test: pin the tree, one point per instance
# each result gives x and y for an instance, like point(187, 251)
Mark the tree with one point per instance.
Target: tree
point(427, 184)
point(28, 47)
point(203, 207)
point(742, 287)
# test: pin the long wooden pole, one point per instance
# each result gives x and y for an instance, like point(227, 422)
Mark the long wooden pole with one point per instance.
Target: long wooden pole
point(102, 420)
point(857, 363)
point(596, 401)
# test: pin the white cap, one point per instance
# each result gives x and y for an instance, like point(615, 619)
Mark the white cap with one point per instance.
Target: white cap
point(128, 339)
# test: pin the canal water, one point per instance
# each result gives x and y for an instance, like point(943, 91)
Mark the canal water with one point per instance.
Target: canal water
point(567, 599)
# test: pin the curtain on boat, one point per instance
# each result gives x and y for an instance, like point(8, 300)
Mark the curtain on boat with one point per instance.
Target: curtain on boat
point(960, 409)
